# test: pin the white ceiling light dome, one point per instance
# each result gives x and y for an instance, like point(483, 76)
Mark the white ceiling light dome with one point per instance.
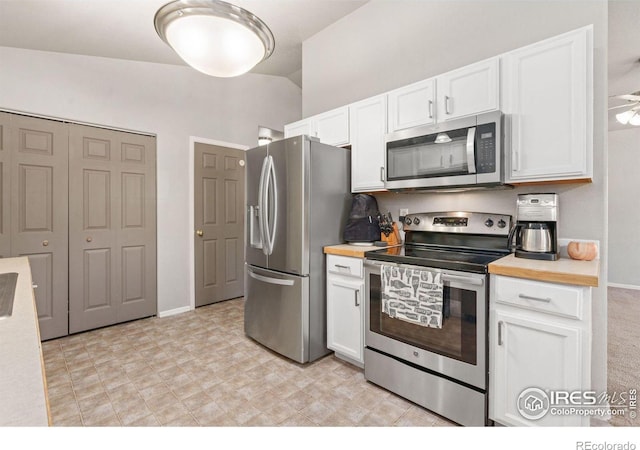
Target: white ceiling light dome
point(214, 37)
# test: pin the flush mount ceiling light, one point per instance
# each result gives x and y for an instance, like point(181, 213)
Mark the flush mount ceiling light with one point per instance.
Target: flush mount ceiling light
point(214, 37)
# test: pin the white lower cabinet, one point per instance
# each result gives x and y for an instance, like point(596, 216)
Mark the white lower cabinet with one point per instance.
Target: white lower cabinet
point(540, 345)
point(345, 308)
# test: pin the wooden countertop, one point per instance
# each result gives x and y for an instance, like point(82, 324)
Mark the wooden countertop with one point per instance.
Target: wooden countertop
point(564, 270)
point(23, 391)
point(355, 251)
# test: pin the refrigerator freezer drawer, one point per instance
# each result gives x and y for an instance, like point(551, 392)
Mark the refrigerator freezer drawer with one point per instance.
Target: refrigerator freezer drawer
point(276, 311)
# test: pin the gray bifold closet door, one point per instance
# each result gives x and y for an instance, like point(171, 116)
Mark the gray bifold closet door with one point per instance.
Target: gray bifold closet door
point(112, 227)
point(34, 161)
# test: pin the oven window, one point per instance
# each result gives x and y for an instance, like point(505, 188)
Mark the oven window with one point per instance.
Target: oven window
point(457, 337)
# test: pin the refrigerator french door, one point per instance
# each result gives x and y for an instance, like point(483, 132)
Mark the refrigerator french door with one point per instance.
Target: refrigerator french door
point(297, 202)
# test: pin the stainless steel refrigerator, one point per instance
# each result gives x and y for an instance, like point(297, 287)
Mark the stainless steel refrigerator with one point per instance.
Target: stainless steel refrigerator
point(298, 197)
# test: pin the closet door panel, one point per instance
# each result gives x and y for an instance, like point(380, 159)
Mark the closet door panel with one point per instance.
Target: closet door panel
point(137, 226)
point(39, 214)
point(93, 255)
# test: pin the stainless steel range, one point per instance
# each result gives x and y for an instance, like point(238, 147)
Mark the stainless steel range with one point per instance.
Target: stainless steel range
point(427, 312)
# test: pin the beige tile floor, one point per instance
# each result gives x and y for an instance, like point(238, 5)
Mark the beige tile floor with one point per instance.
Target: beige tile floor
point(199, 369)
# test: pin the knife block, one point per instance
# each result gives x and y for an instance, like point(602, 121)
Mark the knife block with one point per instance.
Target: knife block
point(393, 238)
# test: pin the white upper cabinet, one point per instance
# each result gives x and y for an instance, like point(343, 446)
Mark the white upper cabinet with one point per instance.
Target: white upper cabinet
point(470, 90)
point(298, 128)
point(367, 129)
point(331, 127)
point(412, 105)
point(548, 102)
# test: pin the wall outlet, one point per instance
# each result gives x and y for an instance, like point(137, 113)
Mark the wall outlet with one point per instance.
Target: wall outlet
point(403, 212)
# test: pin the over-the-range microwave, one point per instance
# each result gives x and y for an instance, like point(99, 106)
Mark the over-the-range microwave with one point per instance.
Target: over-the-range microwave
point(461, 153)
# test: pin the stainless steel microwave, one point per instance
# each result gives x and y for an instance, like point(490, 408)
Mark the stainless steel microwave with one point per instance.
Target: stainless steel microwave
point(461, 153)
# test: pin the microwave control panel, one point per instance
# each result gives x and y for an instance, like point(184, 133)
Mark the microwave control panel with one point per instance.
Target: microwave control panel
point(486, 148)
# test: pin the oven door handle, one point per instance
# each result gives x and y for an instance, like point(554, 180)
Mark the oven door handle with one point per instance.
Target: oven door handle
point(462, 279)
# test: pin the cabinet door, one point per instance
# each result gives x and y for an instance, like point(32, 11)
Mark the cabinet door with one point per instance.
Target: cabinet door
point(345, 317)
point(332, 127)
point(412, 105)
point(469, 90)
point(367, 128)
point(299, 128)
point(548, 101)
point(531, 352)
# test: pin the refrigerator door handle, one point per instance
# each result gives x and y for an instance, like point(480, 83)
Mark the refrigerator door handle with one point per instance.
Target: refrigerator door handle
point(271, 280)
point(262, 207)
point(272, 184)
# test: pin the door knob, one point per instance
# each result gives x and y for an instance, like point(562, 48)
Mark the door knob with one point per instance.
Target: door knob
point(89, 239)
point(200, 233)
point(45, 243)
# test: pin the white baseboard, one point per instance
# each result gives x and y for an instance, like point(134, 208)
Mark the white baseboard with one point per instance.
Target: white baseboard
point(624, 286)
point(173, 312)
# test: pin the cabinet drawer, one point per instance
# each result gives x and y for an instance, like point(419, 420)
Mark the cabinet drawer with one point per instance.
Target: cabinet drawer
point(345, 265)
point(558, 299)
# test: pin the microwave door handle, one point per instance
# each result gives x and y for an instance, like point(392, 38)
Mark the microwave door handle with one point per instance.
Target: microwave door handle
point(471, 147)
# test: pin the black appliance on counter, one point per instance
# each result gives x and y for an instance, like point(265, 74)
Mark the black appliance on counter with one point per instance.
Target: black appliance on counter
point(442, 368)
point(363, 226)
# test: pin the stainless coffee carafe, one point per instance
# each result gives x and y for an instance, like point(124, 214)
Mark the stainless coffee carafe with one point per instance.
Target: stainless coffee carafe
point(535, 231)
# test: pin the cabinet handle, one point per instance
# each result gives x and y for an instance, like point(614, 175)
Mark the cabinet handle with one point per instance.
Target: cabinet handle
point(357, 302)
point(446, 105)
point(538, 299)
point(45, 243)
point(34, 286)
point(340, 266)
point(382, 174)
point(89, 239)
point(430, 109)
point(500, 325)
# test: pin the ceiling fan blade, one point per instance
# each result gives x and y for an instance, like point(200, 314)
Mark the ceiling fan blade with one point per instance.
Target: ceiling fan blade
point(629, 105)
point(630, 97)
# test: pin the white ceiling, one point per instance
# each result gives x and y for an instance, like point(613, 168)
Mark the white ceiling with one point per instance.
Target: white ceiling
point(124, 29)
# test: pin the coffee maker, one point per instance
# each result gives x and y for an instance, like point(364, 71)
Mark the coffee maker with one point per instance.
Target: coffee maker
point(536, 227)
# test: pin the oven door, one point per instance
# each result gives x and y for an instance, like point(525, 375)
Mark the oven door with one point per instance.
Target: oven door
point(457, 349)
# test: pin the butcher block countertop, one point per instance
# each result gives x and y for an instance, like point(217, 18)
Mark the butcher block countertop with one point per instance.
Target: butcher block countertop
point(23, 390)
point(564, 270)
point(355, 251)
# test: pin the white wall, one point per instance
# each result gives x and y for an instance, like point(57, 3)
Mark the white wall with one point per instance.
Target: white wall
point(173, 102)
point(387, 44)
point(624, 212)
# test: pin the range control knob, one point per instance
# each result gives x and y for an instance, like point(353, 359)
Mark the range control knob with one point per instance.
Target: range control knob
point(407, 220)
point(488, 222)
point(502, 224)
point(416, 221)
